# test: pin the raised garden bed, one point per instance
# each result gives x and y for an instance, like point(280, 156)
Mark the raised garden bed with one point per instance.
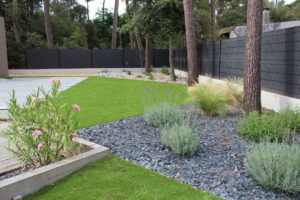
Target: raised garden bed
point(33, 180)
point(217, 166)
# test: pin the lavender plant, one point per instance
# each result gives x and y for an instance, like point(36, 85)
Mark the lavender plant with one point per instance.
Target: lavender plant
point(42, 129)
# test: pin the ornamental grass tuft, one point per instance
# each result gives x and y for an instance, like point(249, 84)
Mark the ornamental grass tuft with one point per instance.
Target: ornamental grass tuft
point(213, 98)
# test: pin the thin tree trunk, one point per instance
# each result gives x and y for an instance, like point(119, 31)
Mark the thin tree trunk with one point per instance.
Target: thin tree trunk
point(131, 36)
point(213, 19)
point(115, 26)
point(103, 10)
point(48, 26)
point(139, 41)
point(87, 9)
point(148, 54)
point(252, 77)
point(171, 61)
point(222, 6)
point(16, 21)
point(190, 42)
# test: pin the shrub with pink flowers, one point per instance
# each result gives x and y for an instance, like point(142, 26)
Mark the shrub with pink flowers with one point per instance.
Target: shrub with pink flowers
point(42, 129)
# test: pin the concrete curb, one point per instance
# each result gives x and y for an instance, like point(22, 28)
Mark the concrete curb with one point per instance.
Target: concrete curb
point(29, 182)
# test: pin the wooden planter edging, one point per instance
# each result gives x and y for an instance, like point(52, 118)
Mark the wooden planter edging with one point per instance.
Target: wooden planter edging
point(31, 181)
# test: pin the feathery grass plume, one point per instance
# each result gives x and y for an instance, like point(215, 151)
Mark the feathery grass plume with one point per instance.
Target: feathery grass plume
point(213, 98)
point(235, 85)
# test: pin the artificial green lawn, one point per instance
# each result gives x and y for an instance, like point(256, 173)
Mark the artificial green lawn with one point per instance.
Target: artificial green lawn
point(112, 178)
point(103, 100)
point(106, 99)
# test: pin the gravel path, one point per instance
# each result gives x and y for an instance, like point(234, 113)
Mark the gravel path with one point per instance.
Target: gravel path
point(216, 167)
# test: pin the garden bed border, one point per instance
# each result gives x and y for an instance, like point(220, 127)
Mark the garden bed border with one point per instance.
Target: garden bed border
point(31, 181)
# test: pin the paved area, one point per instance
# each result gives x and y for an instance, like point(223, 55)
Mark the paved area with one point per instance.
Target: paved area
point(26, 86)
point(7, 160)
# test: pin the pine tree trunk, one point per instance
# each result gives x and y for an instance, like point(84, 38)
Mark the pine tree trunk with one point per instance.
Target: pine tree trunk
point(190, 42)
point(148, 54)
point(222, 6)
point(171, 61)
point(139, 41)
point(15, 21)
point(115, 26)
point(131, 36)
point(103, 10)
point(48, 27)
point(252, 77)
point(87, 10)
point(213, 19)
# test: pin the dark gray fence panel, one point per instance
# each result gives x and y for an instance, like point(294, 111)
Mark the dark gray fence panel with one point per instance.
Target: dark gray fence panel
point(42, 59)
point(107, 58)
point(133, 58)
point(210, 58)
point(180, 59)
point(75, 58)
point(160, 57)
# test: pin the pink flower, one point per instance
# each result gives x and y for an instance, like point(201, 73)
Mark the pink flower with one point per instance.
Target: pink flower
point(55, 80)
point(76, 107)
point(36, 133)
point(37, 164)
point(36, 100)
point(40, 146)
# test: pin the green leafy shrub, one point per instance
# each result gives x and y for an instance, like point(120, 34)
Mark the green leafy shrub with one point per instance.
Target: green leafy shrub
point(41, 130)
point(165, 70)
point(213, 99)
point(290, 118)
point(235, 85)
point(181, 138)
point(129, 72)
point(275, 166)
point(262, 127)
point(162, 114)
point(139, 76)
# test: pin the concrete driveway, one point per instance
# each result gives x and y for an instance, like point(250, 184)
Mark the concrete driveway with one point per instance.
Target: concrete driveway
point(26, 86)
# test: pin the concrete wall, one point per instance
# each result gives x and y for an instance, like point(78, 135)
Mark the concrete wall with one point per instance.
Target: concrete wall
point(3, 50)
point(78, 71)
point(269, 100)
point(240, 31)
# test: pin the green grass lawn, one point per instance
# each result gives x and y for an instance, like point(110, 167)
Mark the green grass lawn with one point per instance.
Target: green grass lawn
point(103, 100)
point(106, 99)
point(112, 178)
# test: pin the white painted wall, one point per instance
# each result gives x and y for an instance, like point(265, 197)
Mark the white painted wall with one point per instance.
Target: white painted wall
point(269, 100)
point(49, 72)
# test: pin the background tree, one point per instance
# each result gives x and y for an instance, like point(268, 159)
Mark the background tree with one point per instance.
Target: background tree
point(171, 26)
point(252, 76)
point(115, 26)
point(48, 26)
point(191, 42)
point(15, 19)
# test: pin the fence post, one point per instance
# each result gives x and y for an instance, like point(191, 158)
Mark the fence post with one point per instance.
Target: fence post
point(123, 58)
point(59, 61)
point(91, 58)
point(220, 58)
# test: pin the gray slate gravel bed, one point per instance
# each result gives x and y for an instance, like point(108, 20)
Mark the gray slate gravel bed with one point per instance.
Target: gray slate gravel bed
point(216, 167)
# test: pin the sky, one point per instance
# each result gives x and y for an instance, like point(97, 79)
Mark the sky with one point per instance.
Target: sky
point(94, 5)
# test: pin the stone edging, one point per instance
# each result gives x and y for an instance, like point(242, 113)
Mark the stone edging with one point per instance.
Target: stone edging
point(31, 181)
